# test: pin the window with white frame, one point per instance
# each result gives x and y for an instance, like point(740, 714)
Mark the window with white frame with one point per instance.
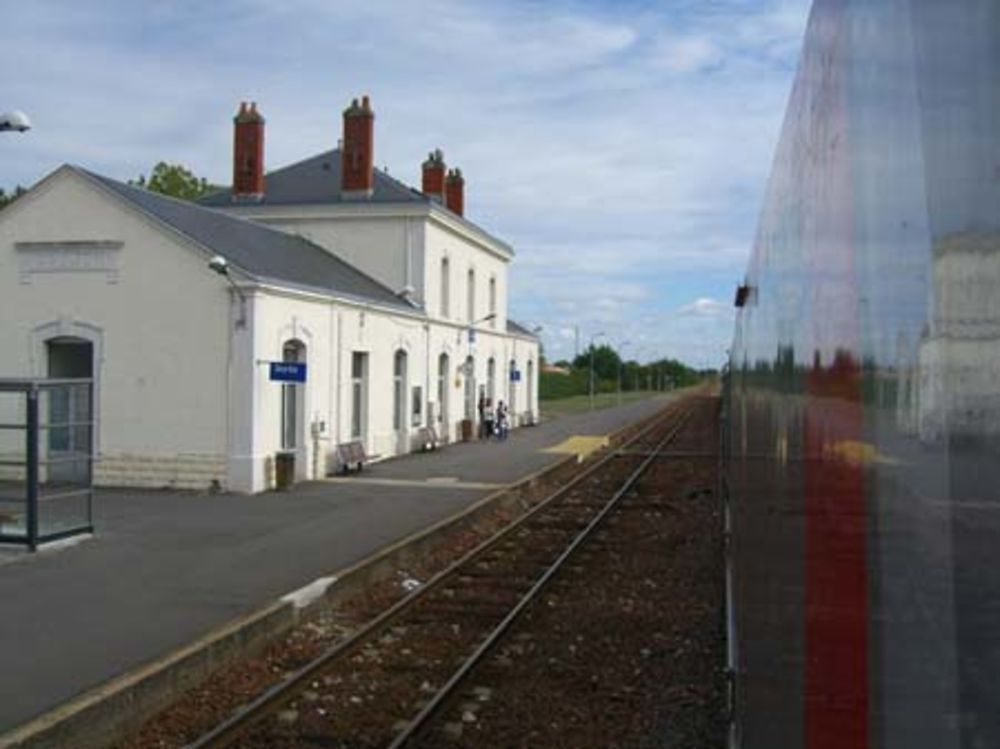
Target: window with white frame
point(493, 301)
point(291, 397)
point(399, 391)
point(445, 287)
point(471, 300)
point(359, 394)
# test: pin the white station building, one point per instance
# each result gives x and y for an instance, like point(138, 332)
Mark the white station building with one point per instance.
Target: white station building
point(393, 300)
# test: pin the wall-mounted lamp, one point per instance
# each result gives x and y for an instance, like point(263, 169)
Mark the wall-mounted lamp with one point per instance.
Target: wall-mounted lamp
point(221, 266)
point(15, 121)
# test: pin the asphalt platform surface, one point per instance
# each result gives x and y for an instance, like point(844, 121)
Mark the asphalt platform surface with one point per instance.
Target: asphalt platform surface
point(166, 568)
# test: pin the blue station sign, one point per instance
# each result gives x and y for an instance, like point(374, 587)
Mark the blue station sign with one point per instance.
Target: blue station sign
point(283, 371)
point(515, 375)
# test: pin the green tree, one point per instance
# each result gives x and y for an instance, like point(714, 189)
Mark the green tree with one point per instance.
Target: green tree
point(176, 181)
point(606, 362)
point(8, 198)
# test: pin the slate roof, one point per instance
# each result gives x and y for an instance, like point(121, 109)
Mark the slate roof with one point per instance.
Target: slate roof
point(317, 180)
point(517, 329)
point(261, 252)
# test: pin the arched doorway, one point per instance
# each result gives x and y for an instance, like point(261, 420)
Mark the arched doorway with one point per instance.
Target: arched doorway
point(293, 410)
point(530, 388)
point(444, 420)
point(491, 381)
point(512, 392)
point(70, 433)
point(470, 388)
point(399, 380)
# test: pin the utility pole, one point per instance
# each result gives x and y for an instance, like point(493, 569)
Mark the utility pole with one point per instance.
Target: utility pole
point(592, 339)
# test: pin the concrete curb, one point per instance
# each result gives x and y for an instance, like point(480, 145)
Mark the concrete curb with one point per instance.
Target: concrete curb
point(107, 713)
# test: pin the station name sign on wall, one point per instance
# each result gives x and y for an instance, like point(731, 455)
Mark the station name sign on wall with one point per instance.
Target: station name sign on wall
point(283, 371)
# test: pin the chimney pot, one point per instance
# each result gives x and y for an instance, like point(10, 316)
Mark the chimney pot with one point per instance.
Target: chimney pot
point(357, 154)
point(454, 188)
point(248, 153)
point(432, 184)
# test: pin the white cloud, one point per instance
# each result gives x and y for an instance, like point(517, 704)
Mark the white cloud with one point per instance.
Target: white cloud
point(624, 156)
point(691, 54)
point(705, 307)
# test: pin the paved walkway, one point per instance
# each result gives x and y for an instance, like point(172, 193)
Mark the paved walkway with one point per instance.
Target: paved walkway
point(166, 568)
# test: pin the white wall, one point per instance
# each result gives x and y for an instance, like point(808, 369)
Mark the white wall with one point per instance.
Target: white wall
point(156, 315)
point(185, 397)
point(332, 331)
point(387, 247)
point(463, 255)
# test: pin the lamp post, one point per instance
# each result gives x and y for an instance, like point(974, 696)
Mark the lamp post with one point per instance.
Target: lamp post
point(593, 338)
point(220, 265)
point(470, 328)
point(468, 369)
point(621, 365)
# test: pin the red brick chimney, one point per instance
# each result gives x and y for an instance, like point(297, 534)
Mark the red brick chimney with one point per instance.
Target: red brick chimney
point(433, 182)
point(454, 190)
point(248, 153)
point(357, 154)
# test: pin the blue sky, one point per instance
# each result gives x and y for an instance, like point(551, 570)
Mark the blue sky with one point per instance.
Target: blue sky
point(621, 147)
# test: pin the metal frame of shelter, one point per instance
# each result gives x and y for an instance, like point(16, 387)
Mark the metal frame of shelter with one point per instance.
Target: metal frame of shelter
point(47, 478)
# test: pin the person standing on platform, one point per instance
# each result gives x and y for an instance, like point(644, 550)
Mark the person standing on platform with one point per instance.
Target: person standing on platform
point(502, 425)
point(489, 424)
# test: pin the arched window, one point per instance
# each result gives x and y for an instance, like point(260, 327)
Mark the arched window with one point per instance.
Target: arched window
point(70, 417)
point(530, 388)
point(491, 380)
point(493, 301)
point(442, 395)
point(445, 287)
point(512, 389)
point(399, 391)
point(470, 388)
point(359, 395)
point(291, 398)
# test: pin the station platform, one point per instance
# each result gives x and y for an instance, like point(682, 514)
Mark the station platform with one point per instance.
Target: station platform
point(166, 568)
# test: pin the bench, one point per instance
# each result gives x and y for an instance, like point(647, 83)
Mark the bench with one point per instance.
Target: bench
point(426, 439)
point(351, 455)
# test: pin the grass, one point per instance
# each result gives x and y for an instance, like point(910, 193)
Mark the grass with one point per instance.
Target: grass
point(579, 403)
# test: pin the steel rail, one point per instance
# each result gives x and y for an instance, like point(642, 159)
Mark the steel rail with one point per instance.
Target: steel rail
point(432, 707)
point(279, 694)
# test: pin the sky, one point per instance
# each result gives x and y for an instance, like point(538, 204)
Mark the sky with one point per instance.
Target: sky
point(621, 147)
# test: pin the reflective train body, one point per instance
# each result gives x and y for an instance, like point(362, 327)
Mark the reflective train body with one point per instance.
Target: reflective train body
point(862, 405)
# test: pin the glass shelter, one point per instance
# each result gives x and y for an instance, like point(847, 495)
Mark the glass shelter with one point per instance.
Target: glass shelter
point(46, 459)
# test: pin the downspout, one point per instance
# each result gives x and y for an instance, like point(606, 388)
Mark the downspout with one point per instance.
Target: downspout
point(427, 376)
point(338, 430)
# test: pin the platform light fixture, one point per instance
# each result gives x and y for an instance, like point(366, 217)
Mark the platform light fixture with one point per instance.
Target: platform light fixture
point(14, 121)
point(470, 328)
point(593, 338)
point(220, 265)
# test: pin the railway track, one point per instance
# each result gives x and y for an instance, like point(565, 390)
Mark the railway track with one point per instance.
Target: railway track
point(383, 684)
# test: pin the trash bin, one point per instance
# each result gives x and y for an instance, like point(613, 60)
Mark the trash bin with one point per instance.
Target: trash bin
point(466, 430)
point(284, 470)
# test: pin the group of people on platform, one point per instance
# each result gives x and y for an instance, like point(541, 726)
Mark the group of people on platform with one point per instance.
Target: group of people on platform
point(493, 422)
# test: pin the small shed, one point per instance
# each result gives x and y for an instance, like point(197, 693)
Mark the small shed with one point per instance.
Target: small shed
point(46, 459)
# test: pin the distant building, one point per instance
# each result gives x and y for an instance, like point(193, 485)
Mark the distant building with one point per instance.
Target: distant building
point(394, 301)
